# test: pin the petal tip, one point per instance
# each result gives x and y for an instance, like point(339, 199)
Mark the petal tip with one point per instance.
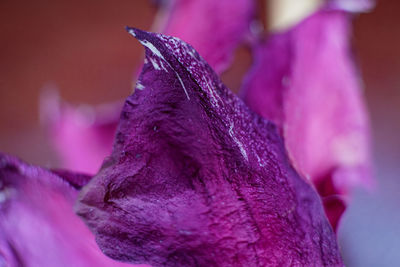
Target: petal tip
point(131, 30)
point(138, 34)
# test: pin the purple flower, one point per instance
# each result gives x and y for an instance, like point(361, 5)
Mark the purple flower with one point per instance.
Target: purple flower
point(196, 178)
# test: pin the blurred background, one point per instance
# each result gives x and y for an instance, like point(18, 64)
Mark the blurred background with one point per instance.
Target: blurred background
point(82, 49)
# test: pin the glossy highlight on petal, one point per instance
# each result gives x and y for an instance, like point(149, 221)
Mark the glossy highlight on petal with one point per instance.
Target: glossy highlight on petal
point(197, 179)
point(214, 28)
point(306, 82)
point(38, 226)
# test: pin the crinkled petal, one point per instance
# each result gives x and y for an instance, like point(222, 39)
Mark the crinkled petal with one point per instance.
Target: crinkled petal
point(213, 28)
point(38, 226)
point(197, 179)
point(305, 81)
point(81, 136)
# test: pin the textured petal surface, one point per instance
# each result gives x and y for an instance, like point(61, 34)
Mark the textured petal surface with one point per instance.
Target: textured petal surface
point(38, 226)
point(197, 179)
point(213, 28)
point(305, 81)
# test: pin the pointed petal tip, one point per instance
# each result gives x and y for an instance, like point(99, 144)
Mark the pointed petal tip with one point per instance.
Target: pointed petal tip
point(131, 30)
point(137, 33)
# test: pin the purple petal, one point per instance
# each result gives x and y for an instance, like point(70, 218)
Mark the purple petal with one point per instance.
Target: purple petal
point(213, 28)
point(306, 82)
point(81, 136)
point(197, 179)
point(38, 226)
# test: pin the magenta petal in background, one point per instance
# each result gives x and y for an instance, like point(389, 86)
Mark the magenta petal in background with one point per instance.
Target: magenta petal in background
point(81, 136)
point(197, 179)
point(214, 28)
point(305, 80)
point(38, 226)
